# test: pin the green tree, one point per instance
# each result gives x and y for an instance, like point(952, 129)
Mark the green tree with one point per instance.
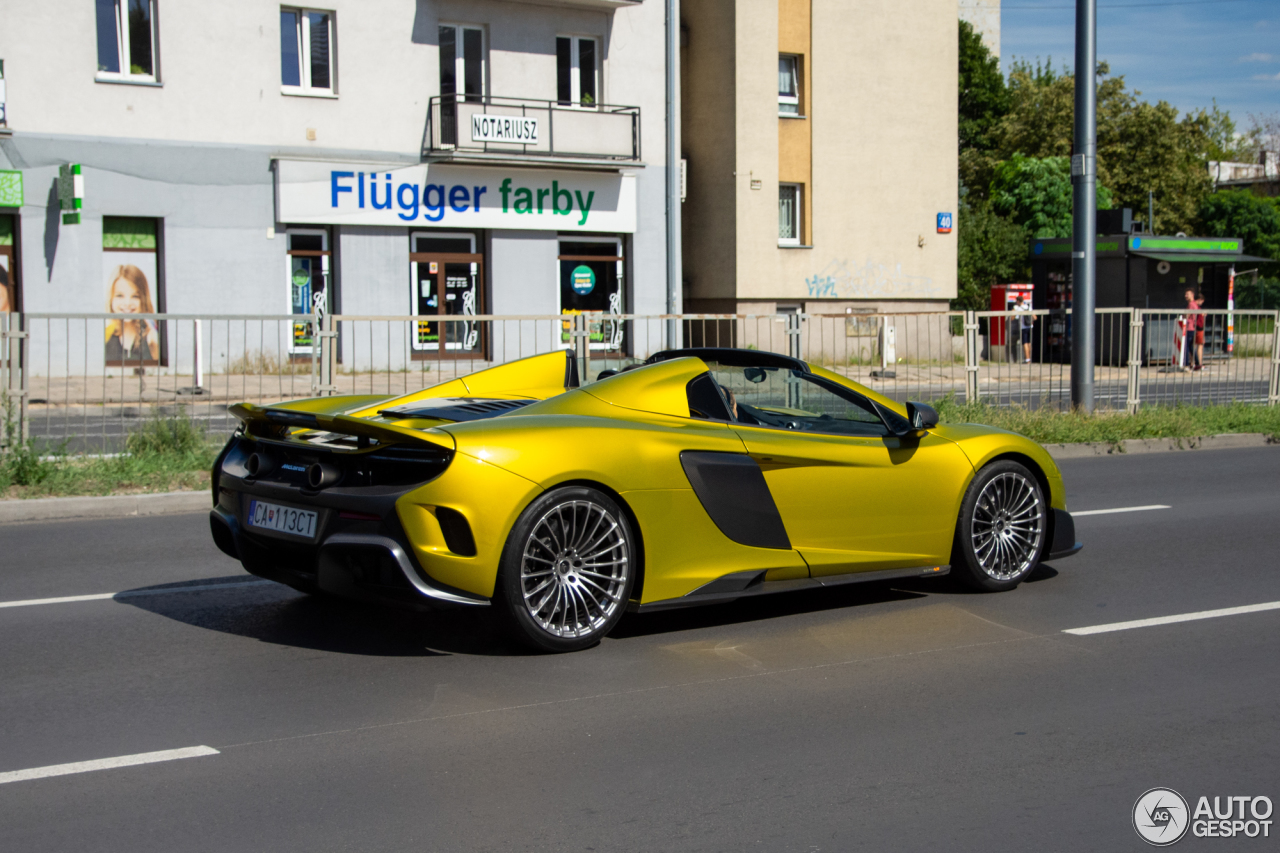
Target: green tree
point(983, 101)
point(990, 250)
point(1225, 143)
point(1035, 192)
point(1141, 146)
point(1240, 213)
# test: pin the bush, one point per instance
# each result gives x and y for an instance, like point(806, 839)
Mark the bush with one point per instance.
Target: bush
point(22, 465)
point(173, 435)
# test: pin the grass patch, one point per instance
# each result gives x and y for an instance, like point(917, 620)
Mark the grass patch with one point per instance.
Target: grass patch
point(165, 454)
point(1048, 426)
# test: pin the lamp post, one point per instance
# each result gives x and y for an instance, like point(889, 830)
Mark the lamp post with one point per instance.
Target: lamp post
point(1084, 226)
point(674, 264)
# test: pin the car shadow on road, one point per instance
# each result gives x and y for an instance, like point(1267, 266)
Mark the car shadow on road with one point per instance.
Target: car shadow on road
point(952, 586)
point(762, 607)
point(273, 613)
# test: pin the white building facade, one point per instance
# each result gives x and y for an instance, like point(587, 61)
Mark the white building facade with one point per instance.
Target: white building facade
point(369, 157)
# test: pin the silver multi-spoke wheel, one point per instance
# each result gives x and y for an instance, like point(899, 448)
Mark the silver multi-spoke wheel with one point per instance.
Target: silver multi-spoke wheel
point(1008, 524)
point(574, 569)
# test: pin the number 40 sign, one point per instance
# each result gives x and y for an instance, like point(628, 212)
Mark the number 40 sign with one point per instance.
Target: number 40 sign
point(944, 223)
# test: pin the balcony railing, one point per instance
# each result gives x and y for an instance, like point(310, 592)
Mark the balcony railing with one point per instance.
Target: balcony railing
point(463, 127)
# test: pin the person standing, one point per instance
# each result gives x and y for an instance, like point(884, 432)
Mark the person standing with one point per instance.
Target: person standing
point(1199, 331)
point(1026, 321)
point(1189, 331)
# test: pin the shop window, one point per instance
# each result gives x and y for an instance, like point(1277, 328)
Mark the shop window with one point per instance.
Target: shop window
point(462, 74)
point(131, 285)
point(789, 214)
point(127, 41)
point(448, 282)
point(308, 269)
point(577, 71)
point(306, 52)
point(591, 282)
point(788, 84)
point(8, 267)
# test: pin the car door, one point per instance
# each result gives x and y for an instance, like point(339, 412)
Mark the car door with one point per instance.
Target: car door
point(852, 496)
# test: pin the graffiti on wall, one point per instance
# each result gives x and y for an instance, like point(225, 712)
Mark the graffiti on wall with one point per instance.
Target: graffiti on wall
point(870, 281)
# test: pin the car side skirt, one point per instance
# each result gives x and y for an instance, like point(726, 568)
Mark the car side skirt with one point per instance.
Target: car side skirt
point(738, 585)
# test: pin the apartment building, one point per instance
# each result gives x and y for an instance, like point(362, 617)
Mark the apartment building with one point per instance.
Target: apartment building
point(375, 157)
point(830, 184)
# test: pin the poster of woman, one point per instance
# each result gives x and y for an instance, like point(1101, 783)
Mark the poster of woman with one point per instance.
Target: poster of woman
point(131, 343)
point(6, 301)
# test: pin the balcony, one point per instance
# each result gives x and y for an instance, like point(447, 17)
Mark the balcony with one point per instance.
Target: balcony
point(523, 131)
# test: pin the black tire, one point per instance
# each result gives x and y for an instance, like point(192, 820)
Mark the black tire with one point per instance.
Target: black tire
point(1002, 529)
point(567, 570)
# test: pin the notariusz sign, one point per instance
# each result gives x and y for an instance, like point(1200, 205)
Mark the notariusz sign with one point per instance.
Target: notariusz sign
point(518, 129)
point(454, 196)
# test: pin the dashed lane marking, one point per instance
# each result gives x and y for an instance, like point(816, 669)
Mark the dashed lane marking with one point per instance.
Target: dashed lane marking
point(1119, 509)
point(1169, 620)
point(106, 763)
point(135, 593)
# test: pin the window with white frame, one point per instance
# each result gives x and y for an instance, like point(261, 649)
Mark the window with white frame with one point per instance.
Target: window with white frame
point(127, 40)
point(577, 71)
point(306, 52)
point(788, 214)
point(788, 84)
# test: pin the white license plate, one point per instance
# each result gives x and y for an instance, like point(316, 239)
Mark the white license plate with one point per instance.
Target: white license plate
point(282, 519)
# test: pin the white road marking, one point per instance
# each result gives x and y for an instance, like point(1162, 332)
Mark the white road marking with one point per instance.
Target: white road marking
point(102, 596)
point(1119, 509)
point(1169, 620)
point(106, 763)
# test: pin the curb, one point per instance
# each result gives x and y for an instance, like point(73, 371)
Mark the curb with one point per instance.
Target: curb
point(112, 506)
point(1157, 445)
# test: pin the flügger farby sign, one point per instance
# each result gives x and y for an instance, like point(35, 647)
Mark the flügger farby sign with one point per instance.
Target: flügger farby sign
point(454, 196)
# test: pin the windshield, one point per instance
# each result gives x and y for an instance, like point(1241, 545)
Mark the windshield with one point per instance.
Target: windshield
point(791, 399)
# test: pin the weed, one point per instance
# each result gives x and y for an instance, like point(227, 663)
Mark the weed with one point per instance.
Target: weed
point(175, 435)
point(261, 363)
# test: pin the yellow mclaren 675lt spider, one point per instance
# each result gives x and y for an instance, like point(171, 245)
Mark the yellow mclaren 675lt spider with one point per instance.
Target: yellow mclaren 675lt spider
point(700, 476)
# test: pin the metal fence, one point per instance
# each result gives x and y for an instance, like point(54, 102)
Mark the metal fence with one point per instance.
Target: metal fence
point(84, 381)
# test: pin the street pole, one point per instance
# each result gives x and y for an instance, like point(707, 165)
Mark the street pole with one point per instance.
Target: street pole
point(1084, 226)
point(674, 265)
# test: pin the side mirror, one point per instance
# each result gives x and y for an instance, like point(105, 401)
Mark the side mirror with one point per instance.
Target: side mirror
point(922, 416)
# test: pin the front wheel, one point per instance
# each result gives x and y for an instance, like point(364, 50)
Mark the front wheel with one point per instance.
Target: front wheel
point(1000, 534)
point(567, 570)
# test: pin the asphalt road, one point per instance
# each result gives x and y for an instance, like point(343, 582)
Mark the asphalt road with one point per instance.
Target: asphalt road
point(876, 717)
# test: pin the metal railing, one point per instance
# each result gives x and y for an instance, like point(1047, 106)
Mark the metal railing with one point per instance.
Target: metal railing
point(586, 131)
point(84, 381)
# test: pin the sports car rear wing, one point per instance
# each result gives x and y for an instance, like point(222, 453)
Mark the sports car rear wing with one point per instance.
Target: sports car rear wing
point(283, 423)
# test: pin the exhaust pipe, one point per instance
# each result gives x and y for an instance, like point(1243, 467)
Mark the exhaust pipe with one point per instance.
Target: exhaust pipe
point(259, 465)
point(320, 476)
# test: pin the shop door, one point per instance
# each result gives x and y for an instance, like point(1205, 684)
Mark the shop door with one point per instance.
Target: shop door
point(591, 282)
point(308, 257)
point(448, 286)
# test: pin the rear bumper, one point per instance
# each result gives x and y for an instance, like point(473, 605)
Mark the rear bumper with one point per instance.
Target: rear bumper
point(1064, 542)
point(362, 566)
